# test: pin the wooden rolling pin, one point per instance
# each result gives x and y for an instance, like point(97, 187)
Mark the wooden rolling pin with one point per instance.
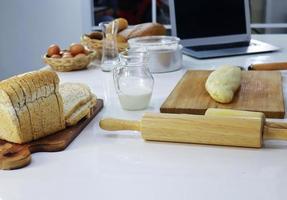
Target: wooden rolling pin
point(217, 127)
point(269, 66)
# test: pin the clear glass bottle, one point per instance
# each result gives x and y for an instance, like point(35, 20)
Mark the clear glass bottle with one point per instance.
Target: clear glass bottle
point(110, 49)
point(133, 80)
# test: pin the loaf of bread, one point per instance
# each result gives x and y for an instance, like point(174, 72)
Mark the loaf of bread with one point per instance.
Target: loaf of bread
point(78, 102)
point(145, 29)
point(30, 106)
point(223, 83)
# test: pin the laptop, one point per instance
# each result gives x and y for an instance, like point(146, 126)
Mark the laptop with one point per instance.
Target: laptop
point(209, 28)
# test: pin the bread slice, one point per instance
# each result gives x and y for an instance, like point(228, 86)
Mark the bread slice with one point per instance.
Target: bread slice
point(81, 112)
point(54, 81)
point(74, 95)
point(10, 127)
point(33, 105)
point(25, 112)
point(51, 115)
point(17, 96)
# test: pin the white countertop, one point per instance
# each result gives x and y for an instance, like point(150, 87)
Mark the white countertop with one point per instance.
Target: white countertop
point(104, 165)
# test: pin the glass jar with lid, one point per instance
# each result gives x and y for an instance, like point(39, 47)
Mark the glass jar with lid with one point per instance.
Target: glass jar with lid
point(164, 52)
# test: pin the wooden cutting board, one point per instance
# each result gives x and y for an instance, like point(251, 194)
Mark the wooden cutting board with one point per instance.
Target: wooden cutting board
point(259, 91)
point(14, 156)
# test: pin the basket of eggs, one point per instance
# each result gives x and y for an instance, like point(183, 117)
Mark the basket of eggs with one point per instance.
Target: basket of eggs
point(75, 58)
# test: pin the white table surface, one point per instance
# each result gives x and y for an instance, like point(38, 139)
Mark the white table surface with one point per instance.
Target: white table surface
point(103, 165)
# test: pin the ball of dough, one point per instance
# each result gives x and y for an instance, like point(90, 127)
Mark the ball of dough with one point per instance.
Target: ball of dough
point(223, 83)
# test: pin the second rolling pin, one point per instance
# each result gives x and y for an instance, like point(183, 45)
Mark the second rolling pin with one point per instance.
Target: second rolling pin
point(217, 127)
point(269, 66)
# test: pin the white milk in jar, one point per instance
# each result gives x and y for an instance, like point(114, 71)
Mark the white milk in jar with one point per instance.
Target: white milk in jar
point(135, 98)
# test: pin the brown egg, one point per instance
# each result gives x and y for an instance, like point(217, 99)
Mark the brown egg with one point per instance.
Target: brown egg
point(77, 49)
point(80, 55)
point(67, 55)
point(53, 49)
point(56, 56)
point(87, 52)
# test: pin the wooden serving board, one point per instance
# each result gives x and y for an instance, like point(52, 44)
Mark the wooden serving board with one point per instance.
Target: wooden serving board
point(14, 156)
point(259, 91)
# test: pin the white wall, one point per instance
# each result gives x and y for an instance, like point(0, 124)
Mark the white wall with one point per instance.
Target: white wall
point(276, 13)
point(28, 27)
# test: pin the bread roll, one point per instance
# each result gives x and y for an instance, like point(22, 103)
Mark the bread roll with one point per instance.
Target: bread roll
point(145, 29)
point(122, 24)
point(223, 83)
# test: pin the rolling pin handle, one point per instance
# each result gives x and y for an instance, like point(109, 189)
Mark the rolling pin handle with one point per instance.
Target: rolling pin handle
point(269, 66)
point(275, 131)
point(111, 124)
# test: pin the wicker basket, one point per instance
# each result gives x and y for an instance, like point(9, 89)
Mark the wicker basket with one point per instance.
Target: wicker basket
point(97, 45)
point(70, 64)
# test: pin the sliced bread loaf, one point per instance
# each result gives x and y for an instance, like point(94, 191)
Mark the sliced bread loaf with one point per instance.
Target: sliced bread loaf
point(30, 107)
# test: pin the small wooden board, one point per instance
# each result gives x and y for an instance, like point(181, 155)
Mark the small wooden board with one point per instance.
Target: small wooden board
point(259, 91)
point(14, 156)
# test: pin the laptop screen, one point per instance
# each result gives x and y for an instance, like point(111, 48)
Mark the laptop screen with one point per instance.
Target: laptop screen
point(209, 18)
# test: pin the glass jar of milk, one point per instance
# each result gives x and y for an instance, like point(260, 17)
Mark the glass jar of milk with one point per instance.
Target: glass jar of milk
point(133, 80)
